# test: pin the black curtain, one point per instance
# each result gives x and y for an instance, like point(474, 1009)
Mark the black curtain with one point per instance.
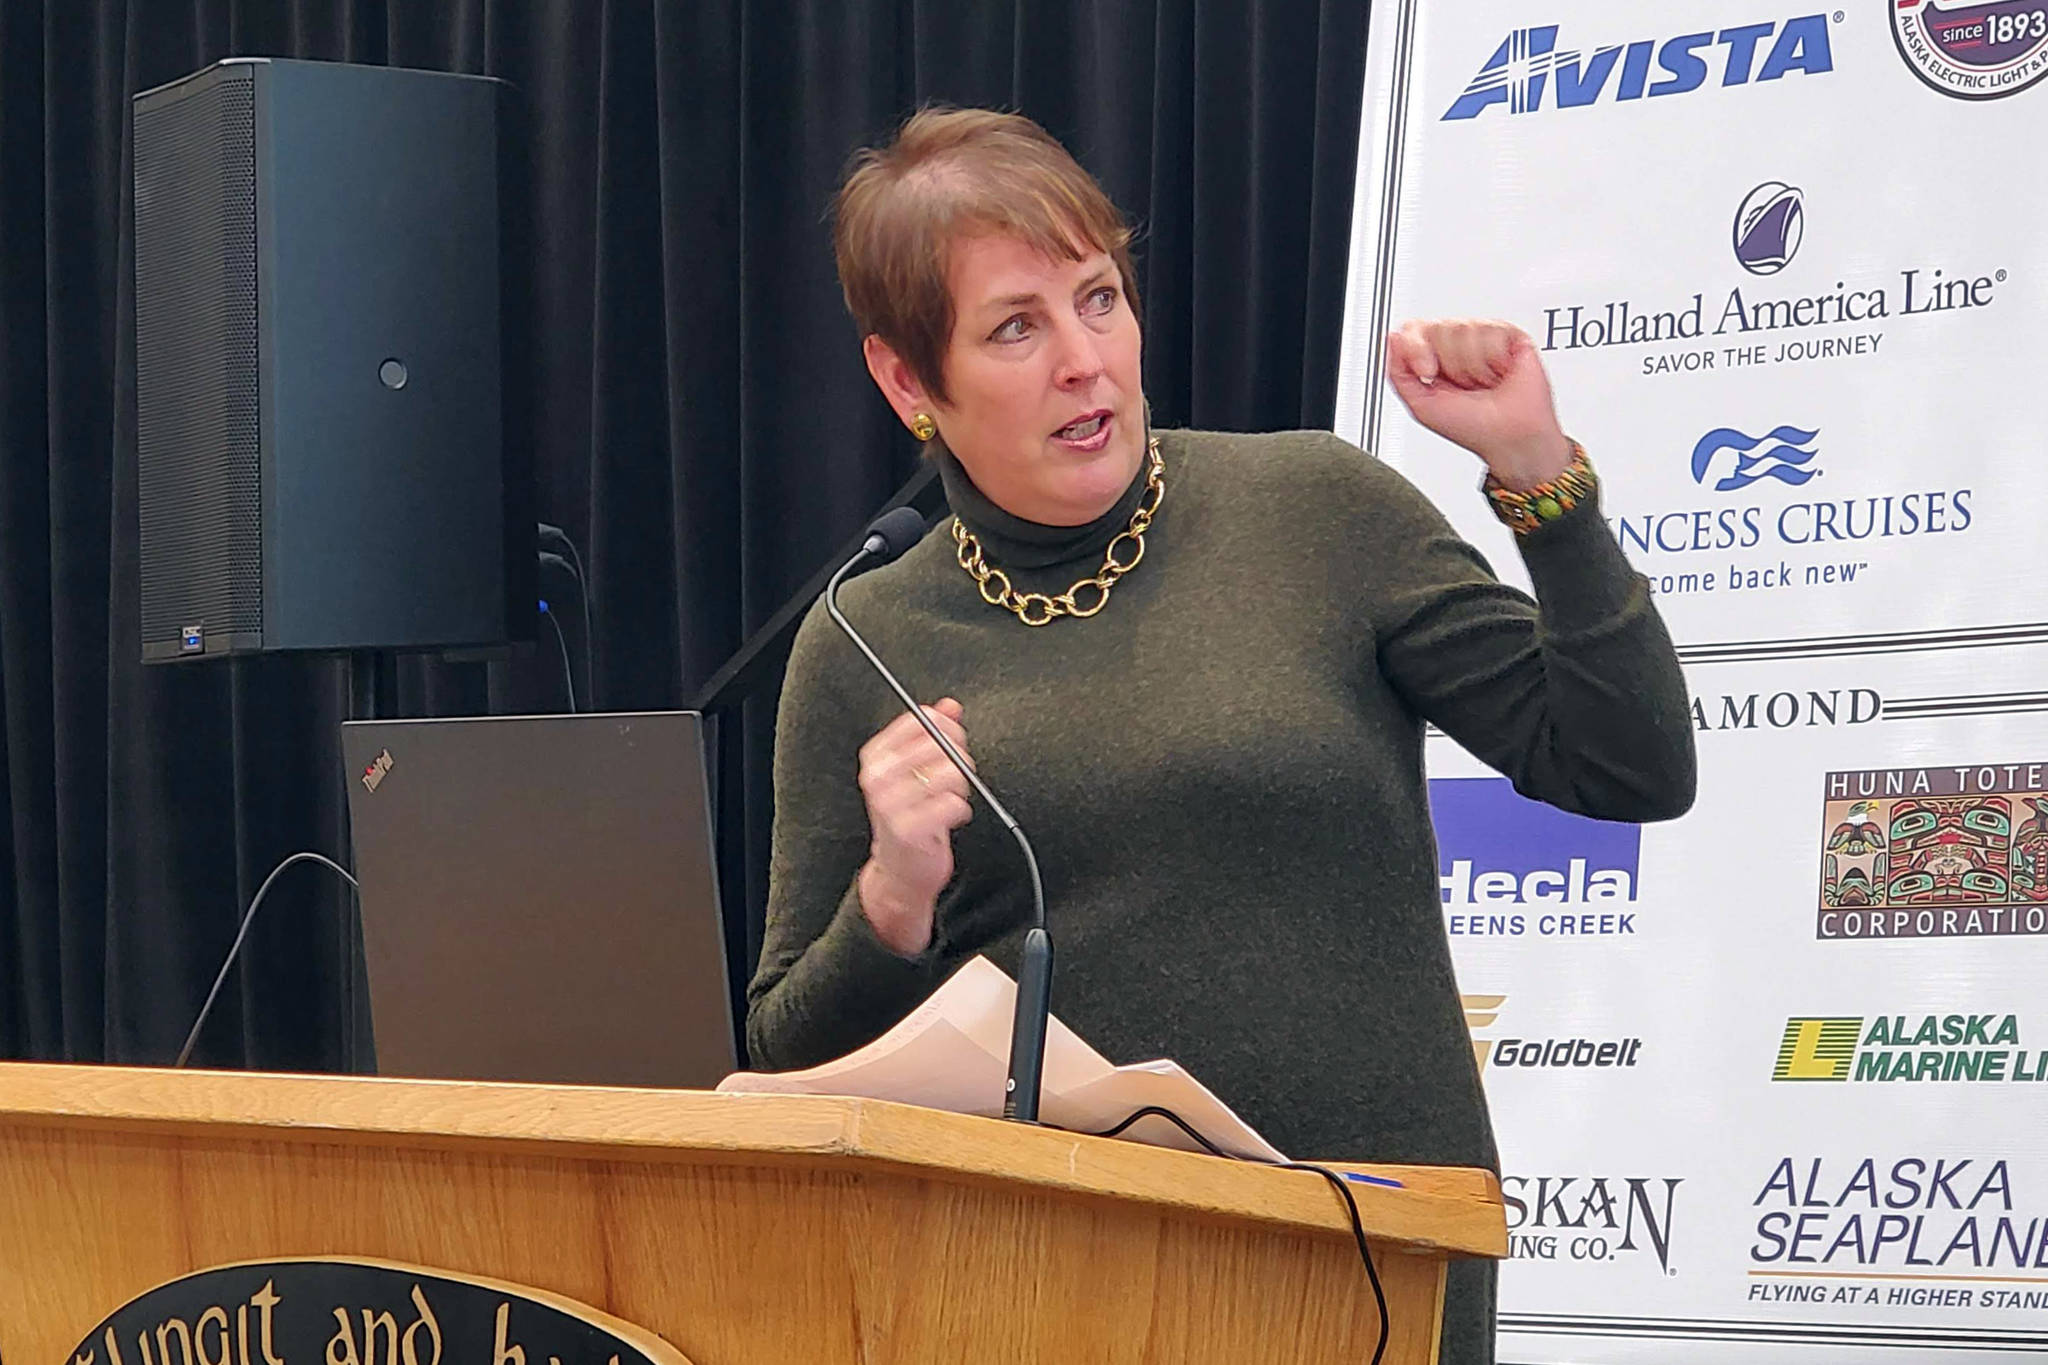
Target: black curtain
point(704, 426)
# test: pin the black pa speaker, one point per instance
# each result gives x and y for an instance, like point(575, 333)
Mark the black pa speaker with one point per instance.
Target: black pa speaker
point(329, 360)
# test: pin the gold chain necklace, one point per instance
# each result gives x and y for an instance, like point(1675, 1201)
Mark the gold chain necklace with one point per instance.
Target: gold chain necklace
point(1039, 609)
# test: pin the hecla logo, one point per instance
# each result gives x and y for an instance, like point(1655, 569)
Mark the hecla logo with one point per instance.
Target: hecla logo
point(1528, 63)
point(1769, 225)
point(1497, 847)
point(1480, 1012)
point(1785, 459)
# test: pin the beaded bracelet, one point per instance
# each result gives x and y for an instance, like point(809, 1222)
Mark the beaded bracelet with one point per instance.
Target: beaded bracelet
point(1525, 511)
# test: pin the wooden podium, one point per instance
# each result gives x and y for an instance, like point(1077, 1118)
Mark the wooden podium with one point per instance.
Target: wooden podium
point(740, 1228)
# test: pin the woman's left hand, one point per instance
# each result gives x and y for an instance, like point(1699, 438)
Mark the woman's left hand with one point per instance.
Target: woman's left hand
point(1480, 384)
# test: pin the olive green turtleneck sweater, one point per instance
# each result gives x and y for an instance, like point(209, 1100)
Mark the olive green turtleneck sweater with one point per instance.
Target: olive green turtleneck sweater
point(1223, 776)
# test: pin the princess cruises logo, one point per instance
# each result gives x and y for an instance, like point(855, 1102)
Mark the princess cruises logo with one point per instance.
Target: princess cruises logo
point(1784, 453)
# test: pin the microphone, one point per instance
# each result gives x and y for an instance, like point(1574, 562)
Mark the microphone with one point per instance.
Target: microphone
point(889, 536)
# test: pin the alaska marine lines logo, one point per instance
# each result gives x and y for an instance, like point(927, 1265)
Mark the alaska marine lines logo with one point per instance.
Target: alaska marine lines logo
point(1529, 64)
point(1769, 225)
point(1908, 1047)
point(1973, 51)
point(1935, 852)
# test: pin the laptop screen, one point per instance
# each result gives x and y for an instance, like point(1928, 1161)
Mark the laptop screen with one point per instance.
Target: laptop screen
point(540, 899)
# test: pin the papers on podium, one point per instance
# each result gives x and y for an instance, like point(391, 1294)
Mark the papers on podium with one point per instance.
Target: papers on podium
point(953, 1053)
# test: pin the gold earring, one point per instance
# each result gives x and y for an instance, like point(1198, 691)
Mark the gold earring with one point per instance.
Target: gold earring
point(923, 427)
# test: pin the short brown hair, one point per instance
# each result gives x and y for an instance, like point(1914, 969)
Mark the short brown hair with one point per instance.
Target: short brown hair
point(949, 172)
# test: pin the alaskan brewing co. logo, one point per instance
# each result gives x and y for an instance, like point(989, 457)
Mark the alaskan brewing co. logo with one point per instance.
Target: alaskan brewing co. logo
point(1590, 1218)
point(1769, 225)
point(1983, 1048)
point(1529, 66)
point(1574, 1053)
point(1950, 852)
point(1973, 51)
point(1785, 455)
point(358, 1312)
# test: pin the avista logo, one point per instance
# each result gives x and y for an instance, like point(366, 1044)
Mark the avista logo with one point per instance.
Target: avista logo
point(1528, 65)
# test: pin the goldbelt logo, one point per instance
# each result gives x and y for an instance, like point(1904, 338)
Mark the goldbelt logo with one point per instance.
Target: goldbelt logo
point(1948, 1048)
point(1574, 1053)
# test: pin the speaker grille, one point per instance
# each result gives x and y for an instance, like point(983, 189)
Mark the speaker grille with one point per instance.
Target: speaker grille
point(196, 364)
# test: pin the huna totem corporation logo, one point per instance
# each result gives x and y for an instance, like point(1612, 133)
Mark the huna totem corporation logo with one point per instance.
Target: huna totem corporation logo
point(1769, 225)
point(1973, 51)
point(1935, 852)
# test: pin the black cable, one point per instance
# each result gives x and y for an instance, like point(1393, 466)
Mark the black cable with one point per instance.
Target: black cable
point(568, 674)
point(1343, 1187)
point(1336, 1179)
point(235, 951)
point(555, 540)
point(576, 564)
point(589, 630)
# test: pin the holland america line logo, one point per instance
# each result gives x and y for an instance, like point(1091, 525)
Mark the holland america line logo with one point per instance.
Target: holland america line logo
point(1768, 227)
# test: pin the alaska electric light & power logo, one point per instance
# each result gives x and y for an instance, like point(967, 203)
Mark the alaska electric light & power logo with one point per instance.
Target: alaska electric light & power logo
point(1973, 51)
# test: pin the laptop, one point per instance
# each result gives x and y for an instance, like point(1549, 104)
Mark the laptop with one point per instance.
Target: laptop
point(540, 899)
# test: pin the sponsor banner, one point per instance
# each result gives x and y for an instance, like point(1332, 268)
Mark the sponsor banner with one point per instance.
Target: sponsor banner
point(1767, 1080)
point(1927, 852)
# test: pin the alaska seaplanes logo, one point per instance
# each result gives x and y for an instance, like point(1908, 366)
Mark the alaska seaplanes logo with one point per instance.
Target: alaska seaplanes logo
point(1973, 51)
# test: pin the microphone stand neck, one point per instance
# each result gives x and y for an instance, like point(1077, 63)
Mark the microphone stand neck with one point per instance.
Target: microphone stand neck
point(1034, 972)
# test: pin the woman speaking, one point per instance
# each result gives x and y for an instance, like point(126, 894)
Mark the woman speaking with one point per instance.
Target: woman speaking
point(1197, 666)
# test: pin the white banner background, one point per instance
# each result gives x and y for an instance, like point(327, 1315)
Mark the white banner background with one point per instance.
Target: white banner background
point(1922, 648)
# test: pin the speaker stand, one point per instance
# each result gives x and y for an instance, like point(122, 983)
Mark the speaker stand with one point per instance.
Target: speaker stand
point(372, 695)
point(372, 684)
